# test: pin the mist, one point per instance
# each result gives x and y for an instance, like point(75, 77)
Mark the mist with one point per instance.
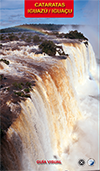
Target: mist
point(89, 26)
point(91, 32)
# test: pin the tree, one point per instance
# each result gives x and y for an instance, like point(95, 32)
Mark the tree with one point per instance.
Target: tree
point(48, 47)
point(75, 35)
point(36, 39)
point(0, 46)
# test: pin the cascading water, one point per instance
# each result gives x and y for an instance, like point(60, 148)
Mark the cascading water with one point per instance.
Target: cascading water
point(59, 121)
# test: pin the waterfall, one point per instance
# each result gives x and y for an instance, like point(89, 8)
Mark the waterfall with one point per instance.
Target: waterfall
point(57, 122)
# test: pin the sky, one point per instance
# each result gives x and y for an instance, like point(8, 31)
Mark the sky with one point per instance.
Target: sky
point(86, 12)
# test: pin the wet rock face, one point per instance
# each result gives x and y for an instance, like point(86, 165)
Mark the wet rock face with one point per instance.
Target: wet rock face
point(2, 167)
point(12, 90)
point(13, 86)
point(40, 111)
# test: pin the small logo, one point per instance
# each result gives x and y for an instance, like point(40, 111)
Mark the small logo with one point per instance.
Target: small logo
point(91, 162)
point(81, 162)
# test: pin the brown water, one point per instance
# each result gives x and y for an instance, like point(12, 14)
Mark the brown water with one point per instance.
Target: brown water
point(57, 121)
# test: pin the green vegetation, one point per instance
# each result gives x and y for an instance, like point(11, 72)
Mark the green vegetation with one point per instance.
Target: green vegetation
point(1, 77)
point(2, 37)
point(8, 88)
point(22, 28)
point(48, 47)
point(27, 95)
point(21, 94)
point(0, 46)
point(75, 35)
point(28, 40)
point(25, 88)
point(11, 29)
point(23, 36)
point(18, 85)
point(28, 84)
point(5, 61)
point(36, 39)
point(71, 35)
point(12, 37)
point(53, 28)
point(22, 84)
point(47, 26)
point(60, 50)
point(15, 84)
point(86, 44)
point(60, 35)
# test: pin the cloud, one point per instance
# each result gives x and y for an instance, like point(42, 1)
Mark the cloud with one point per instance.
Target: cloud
point(86, 12)
point(10, 17)
point(12, 4)
point(90, 32)
point(6, 14)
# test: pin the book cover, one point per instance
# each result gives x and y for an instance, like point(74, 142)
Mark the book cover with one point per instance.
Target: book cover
point(49, 85)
